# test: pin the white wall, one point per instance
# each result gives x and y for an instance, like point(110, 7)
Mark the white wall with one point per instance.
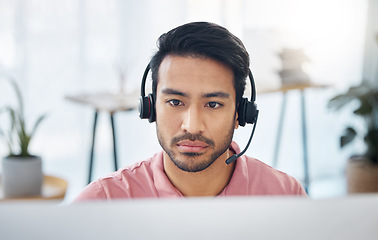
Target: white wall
point(371, 43)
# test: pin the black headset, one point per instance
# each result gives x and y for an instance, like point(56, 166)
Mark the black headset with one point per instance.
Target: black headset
point(247, 110)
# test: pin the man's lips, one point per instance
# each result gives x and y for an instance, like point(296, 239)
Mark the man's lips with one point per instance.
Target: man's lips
point(191, 146)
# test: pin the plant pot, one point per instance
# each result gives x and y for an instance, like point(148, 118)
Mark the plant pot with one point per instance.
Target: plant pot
point(22, 176)
point(362, 175)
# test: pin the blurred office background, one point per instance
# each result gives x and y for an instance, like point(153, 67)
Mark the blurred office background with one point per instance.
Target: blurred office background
point(60, 48)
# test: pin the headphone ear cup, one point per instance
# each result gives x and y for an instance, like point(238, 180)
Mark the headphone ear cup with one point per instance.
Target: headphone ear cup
point(152, 113)
point(242, 111)
point(144, 107)
point(251, 112)
point(246, 112)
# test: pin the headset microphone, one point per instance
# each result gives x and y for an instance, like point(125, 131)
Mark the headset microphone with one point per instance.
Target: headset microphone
point(236, 156)
point(247, 113)
point(247, 110)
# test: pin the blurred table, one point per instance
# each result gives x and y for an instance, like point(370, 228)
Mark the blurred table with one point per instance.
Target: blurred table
point(110, 103)
point(284, 90)
point(53, 188)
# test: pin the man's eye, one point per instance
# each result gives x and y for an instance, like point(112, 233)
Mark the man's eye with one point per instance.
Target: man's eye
point(214, 105)
point(175, 102)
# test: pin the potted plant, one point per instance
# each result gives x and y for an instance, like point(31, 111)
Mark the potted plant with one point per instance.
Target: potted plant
point(362, 169)
point(21, 171)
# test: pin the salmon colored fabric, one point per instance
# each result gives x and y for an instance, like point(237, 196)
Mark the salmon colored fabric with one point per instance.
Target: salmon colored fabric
point(147, 179)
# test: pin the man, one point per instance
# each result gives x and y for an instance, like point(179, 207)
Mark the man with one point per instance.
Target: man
point(199, 74)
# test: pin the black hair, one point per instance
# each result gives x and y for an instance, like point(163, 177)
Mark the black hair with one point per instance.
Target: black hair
point(203, 39)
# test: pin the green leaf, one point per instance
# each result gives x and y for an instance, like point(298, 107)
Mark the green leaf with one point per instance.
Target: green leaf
point(19, 97)
point(36, 124)
point(7, 141)
point(365, 107)
point(17, 137)
point(340, 101)
point(25, 140)
point(348, 136)
point(371, 138)
point(354, 93)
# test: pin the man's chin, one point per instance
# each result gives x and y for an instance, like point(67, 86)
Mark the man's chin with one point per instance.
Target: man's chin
point(191, 163)
point(192, 169)
point(192, 154)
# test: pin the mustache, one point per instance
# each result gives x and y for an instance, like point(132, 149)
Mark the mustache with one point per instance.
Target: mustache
point(192, 137)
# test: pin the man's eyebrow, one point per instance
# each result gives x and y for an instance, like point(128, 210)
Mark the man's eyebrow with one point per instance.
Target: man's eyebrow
point(170, 91)
point(216, 94)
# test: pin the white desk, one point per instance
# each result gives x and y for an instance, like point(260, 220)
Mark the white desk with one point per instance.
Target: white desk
point(197, 218)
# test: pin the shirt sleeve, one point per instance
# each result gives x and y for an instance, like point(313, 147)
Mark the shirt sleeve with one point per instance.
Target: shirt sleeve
point(94, 191)
point(301, 190)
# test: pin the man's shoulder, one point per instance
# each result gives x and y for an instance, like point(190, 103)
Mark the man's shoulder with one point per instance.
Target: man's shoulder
point(141, 169)
point(135, 180)
point(269, 179)
point(254, 165)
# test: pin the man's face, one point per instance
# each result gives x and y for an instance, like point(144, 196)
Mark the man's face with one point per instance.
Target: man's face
point(195, 111)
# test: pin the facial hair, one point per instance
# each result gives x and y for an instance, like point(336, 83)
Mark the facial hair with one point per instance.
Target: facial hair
point(189, 161)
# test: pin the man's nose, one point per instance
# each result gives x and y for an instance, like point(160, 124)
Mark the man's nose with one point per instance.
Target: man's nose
point(193, 121)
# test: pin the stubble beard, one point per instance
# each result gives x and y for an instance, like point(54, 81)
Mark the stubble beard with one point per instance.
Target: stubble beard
point(189, 161)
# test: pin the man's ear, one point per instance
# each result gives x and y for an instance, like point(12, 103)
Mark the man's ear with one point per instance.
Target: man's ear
point(236, 120)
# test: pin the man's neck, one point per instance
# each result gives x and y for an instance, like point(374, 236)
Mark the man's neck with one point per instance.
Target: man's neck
point(209, 182)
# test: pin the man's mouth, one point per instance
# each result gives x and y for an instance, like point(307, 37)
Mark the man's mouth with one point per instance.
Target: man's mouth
point(191, 146)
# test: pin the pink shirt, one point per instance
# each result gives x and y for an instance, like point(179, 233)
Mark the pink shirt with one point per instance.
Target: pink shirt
point(147, 179)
